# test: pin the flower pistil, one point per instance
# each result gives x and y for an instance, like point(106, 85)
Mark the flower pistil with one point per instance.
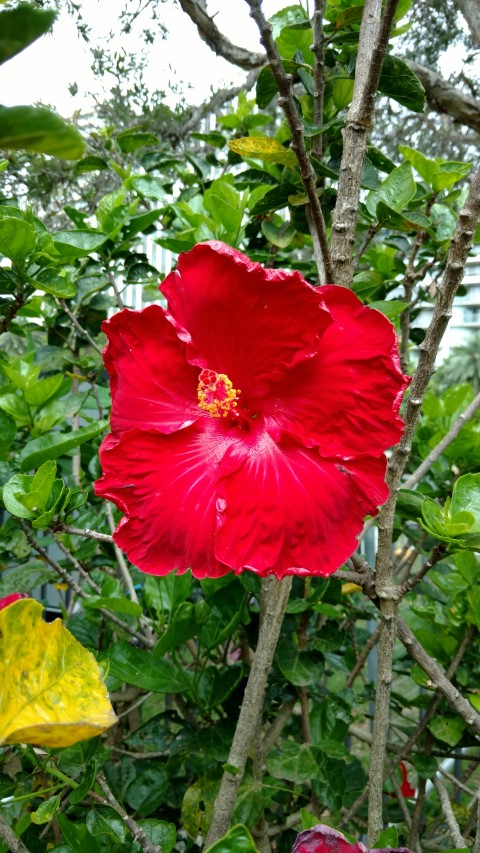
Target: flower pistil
point(216, 394)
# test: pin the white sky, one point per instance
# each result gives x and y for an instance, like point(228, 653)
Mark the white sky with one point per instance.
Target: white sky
point(44, 70)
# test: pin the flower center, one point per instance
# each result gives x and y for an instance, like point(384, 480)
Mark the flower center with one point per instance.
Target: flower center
point(216, 394)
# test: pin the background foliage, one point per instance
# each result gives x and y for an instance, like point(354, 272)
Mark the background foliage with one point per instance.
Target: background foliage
point(176, 651)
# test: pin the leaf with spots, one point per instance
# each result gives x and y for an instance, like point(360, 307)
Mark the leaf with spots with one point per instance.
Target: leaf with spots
point(51, 690)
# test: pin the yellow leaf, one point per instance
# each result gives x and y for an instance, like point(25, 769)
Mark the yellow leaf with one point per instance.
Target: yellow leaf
point(51, 690)
point(263, 148)
point(348, 588)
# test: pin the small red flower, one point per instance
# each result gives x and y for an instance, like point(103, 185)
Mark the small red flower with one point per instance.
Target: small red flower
point(11, 599)
point(325, 839)
point(249, 420)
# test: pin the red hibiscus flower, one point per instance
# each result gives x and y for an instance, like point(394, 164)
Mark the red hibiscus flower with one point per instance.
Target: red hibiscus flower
point(325, 839)
point(11, 599)
point(249, 420)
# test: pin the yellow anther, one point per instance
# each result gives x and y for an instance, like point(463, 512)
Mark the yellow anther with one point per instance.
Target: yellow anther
point(216, 394)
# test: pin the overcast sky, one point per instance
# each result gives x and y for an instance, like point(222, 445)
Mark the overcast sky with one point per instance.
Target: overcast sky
point(43, 71)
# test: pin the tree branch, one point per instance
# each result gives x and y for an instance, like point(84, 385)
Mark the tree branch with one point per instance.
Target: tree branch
point(285, 100)
point(456, 835)
point(443, 97)
point(274, 600)
point(15, 845)
point(209, 33)
point(374, 34)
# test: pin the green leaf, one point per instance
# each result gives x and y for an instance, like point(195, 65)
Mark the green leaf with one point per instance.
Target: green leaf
point(20, 27)
point(135, 667)
point(238, 839)
point(117, 605)
point(41, 130)
point(50, 281)
point(17, 485)
point(278, 235)
point(399, 82)
point(387, 838)
point(131, 140)
point(274, 199)
point(56, 444)
point(78, 244)
point(390, 307)
point(295, 762)
point(103, 820)
point(466, 498)
point(149, 187)
point(161, 833)
point(25, 578)
point(398, 188)
point(223, 203)
point(266, 88)
point(300, 668)
point(40, 391)
point(8, 431)
point(17, 238)
point(439, 174)
point(48, 808)
point(447, 729)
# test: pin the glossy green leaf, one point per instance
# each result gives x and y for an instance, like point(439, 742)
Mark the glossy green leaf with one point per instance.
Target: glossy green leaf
point(39, 392)
point(131, 140)
point(223, 203)
point(46, 810)
point(20, 27)
point(466, 498)
point(238, 839)
point(103, 820)
point(439, 174)
point(78, 244)
point(41, 130)
point(17, 238)
point(56, 444)
point(135, 667)
point(149, 187)
point(294, 762)
point(399, 82)
point(117, 605)
point(398, 188)
point(266, 87)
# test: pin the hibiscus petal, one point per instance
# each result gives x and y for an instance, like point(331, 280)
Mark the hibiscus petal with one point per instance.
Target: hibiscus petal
point(166, 486)
point(251, 323)
point(287, 510)
point(325, 839)
point(347, 398)
point(153, 386)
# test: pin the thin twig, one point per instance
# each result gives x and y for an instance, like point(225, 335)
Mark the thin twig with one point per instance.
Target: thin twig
point(122, 564)
point(476, 846)
point(438, 553)
point(457, 838)
point(447, 439)
point(318, 75)
point(113, 285)
point(139, 835)
point(72, 583)
point(79, 327)
point(274, 601)
point(369, 645)
point(86, 532)
point(286, 102)
point(77, 565)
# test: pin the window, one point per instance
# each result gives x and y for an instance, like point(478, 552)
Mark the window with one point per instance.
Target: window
point(471, 315)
